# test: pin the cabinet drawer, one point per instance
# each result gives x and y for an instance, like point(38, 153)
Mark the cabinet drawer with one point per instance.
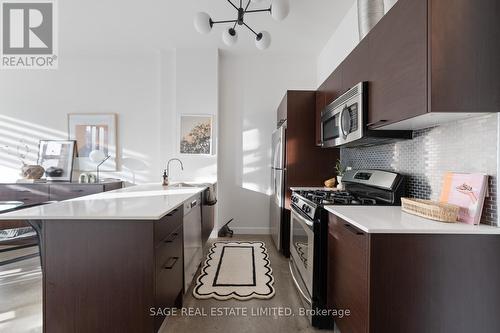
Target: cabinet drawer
point(348, 274)
point(29, 194)
point(169, 272)
point(167, 224)
point(66, 192)
point(7, 193)
point(167, 248)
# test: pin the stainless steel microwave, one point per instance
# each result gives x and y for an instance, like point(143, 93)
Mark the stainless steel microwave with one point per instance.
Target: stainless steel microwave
point(344, 122)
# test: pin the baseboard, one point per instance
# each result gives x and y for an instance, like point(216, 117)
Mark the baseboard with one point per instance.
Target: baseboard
point(250, 231)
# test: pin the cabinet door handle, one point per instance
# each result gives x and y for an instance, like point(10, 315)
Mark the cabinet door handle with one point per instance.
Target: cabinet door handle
point(172, 212)
point(353, 229)
point(171, 262)
point(77, 191)
point(378, 123)
point(193, 203)
point(171, 238)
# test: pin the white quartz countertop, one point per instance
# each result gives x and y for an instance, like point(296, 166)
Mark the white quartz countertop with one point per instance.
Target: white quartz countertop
point(141, 202)
point(392, 220)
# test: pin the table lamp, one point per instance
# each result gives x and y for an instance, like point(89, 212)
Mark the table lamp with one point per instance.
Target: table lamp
point(98, 156)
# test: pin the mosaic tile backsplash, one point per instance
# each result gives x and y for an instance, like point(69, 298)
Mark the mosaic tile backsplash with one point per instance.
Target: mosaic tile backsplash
point(463, 146)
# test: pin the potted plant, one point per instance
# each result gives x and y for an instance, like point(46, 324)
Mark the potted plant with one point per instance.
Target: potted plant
point(340, 169)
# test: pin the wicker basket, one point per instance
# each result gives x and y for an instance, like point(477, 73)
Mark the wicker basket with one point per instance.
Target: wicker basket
point(433, 210)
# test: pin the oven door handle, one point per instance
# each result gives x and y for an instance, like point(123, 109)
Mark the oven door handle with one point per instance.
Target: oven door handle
point(309, 223)
point(296, 282)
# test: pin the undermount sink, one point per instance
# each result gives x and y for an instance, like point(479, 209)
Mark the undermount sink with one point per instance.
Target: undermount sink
point(182, 185)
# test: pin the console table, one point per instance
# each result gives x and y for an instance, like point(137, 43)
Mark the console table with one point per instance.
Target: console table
point(36, 193)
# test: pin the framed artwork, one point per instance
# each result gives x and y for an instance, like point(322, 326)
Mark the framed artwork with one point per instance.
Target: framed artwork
point(56, 157)
point(196, 134)
point(468, 191)
point(93, 132)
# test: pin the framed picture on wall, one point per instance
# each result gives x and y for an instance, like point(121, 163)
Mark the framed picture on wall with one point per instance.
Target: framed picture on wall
point(56, 157)
point(196, 134)
point(93, 132)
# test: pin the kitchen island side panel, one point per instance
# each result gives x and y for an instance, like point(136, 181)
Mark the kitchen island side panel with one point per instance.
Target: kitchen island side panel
point(98, 276)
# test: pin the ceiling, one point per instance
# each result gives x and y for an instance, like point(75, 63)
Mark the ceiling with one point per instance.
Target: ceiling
point(125, 26)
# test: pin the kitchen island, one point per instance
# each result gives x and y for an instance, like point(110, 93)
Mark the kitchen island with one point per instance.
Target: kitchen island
point(110, 258)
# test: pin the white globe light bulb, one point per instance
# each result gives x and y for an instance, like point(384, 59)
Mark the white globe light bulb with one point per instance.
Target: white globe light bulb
point(280, 9)
point(203, 23)
point(97, 156)
point(263, 40)
point(229, 36)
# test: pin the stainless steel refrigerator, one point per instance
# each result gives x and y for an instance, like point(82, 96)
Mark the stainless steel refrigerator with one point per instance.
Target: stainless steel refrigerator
point(279, 223)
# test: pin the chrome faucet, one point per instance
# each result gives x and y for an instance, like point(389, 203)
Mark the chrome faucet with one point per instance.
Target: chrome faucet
point(166, 172)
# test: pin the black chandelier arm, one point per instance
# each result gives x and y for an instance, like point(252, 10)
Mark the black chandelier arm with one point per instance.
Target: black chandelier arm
point(225, 21)
point(246, 25)
point(232, 4)
point(258, 10)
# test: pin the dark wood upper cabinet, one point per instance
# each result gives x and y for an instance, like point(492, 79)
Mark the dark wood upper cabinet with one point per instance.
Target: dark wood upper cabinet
point(464, 41)
point(397, 58)
point(332, 87)
point(426, 56)
point(306, 163)
point(356, 67)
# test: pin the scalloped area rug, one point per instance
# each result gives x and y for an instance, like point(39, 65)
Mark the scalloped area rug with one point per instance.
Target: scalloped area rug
point(236, 270)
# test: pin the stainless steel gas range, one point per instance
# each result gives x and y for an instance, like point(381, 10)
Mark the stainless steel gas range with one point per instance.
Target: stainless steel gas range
point(309, 229)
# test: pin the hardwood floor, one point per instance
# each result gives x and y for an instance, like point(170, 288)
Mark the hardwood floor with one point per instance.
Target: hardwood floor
point(21, 302)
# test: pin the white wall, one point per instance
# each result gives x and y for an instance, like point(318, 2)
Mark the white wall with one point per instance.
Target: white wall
point(189, 86)
point(340, 44)
point(251, 89)
point(147, 91)
point(34, 105)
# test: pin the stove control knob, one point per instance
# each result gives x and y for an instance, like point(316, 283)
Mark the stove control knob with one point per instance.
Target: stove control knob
point(308, 209)
point(304, 207)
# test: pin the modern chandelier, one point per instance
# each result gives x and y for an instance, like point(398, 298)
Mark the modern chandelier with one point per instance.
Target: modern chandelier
point(278, 9)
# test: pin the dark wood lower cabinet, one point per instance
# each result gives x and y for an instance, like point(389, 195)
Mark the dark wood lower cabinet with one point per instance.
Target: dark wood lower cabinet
point(106, 275)
point(348, 255)
point(413, 283)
